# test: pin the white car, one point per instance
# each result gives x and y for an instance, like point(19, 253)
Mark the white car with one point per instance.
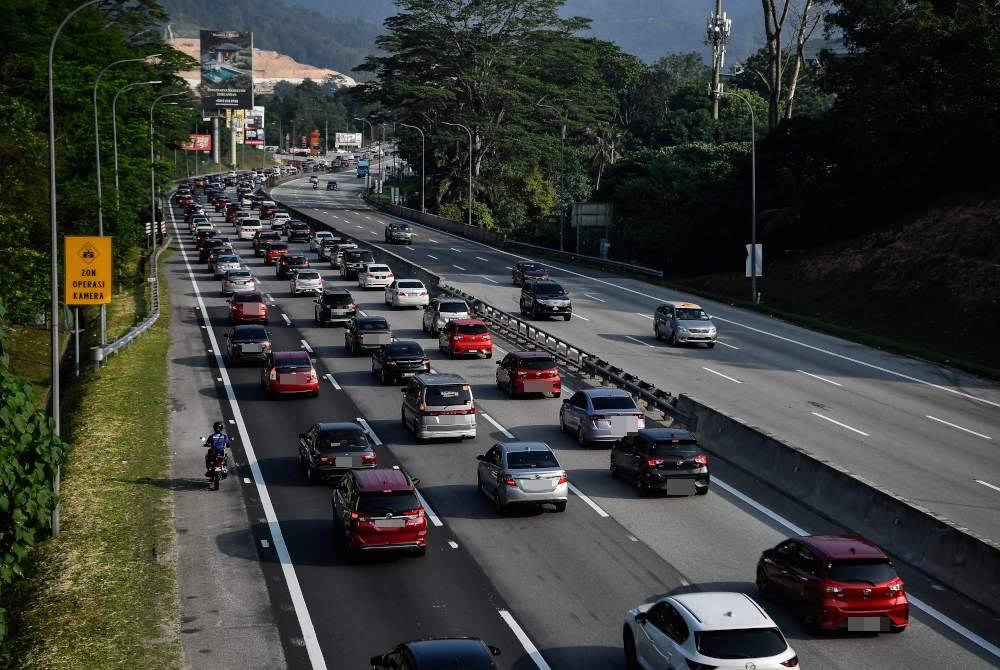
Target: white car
point(442, 310)
point(305, 281)
point(280, 217)
point(375, 275)
point(224, 264)
point(202, 226)
point(407, 293)
point(705, 630)
point(316, 241)
point(238, 280)
point(313, 180)
point(249, 228)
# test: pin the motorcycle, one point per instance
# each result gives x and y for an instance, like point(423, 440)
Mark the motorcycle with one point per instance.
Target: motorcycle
point(315, 186)
point(217, 472)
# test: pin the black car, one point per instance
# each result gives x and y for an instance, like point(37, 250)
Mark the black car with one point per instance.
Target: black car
point(329, 450)
point(298, 231)
point(399, 360)
point(661, 459)
point(365, 333)
point(335, 306)
point(545, 298)
point(524, 271)
point(354, 261)
point(211, 245)
point(398, 232)
point(247, 342)
point(261, 238)
point(331, 186)
point(467, 653)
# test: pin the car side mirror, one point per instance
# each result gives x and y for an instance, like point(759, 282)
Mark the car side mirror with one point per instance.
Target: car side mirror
point(499, 362)
point(565, 400)
point(494, 650)
point(480, 457)
point(770, 553)
point(640, 618)
point(402, 390)
point(377, 662)
point(416, 482)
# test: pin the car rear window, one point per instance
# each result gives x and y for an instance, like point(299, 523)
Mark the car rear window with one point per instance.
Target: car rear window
point(238, 274)
point(453, 307)
point(684, 448)
point(294, 260)
point(373, 325)
point(248, 297)
point(519, 460)
point(409, 284)
point(472, 329)
point(365, 256)
point(337, 299)
point(308, 275)
point(229, 259)
point(397, 349)
point(344, 438)
point(536, 364)
point(870, 571)
point(745, 643)
point(278, 246)
point(378, 268)
point(397, 502)
point(296, 363)
point(613, 402)
point(448, 395)
point(250, 334)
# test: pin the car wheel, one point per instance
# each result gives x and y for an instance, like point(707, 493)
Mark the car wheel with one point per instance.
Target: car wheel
point(533, 312)
point(567, 317)
point(673, 339)
point(763, 590)
point(479, 483)
point(489, 355)
point(562, 424)
point(402, 417)
point(809, 620)
point(710, 345)
point(581, 440)
point(423, 326)
point(631, 661)
point(613, 467)
point(656, 332)
point(561, 506)
point(895, 630)
point(640, 486)
point(498, 502)
point(309, 474)
point(420, 551)
point(702, 492)
point(382, 377)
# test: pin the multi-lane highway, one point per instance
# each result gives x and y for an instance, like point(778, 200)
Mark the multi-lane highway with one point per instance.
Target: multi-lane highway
point(549, 589)
point(928, 433)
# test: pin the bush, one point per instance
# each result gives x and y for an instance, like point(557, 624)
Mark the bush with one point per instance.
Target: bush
point(450, 210)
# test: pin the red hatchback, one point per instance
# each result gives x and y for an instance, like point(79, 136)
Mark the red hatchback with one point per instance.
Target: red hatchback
point(247, 306)
point(378, 509)
point(465, 336)
point(529, 372)
point(289, 372)
point(835, 582)
point(274, 251)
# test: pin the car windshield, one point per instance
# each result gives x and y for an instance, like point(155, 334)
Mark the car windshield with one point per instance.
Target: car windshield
point(311, 276)
point(683, 448)
point(686, 314)
point(341, 438)
point(454, 308)
point(874, 571)
point(471, 329)
point(549, 289)
point(396, 502)
point(535, 364)
point(452, 394)
point(521, 460)
point(373, 325)
point(613, 402)
point(745, 643)
point(250, 334)
point(248, 297)
point(531, 267)
point(404, 349)
point(293, 363)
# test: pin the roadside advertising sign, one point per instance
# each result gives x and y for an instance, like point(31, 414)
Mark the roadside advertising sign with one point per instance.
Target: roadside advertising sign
point(87, 270)
point(348, 139)
point(226, 69)
point(197, 143)
point(253, 131)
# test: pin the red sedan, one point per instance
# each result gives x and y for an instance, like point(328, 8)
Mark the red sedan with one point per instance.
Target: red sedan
point(247, 306)
point(465, 336)
point(289, 372)
point(523, 372)
point(274, 251)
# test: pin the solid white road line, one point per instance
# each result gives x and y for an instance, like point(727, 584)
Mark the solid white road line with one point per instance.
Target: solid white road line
point(270, 298)
point(357, 226)
point(435, 519)
point(714, 372)
point(371, 433)
point(594, 506)
point(434, 257)
point(645, 316)
point(727, 345)
point(842, 425)
point(480, 258)
point(453, 544)
point(525, 641)
point(955, 425)
point(987, 484)
point(288, 321)
point(431, 239)
point(454, 249)
point(333, 381)
point(594, 297)
point(577, 315)
point(508, 267)
point(506, 433)
point(305, 345)
point(635, 339)
point(309, 638)
point(458, 267)
point(822, 379)
point(488, 279)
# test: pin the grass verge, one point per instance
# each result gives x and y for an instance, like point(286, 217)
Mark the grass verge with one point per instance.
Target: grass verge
point(28, 348)
point(103, 593)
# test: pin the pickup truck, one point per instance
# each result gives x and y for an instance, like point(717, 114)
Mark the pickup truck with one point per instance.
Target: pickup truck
point(366, 333)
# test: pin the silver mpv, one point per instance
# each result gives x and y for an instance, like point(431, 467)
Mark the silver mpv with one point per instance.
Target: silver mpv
point(522, 473)
point(438, 406)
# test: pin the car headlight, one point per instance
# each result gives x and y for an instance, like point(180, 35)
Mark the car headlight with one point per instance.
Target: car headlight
point(712, 330)
point(683, 331)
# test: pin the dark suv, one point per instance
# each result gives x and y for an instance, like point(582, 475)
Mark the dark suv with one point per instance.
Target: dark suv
point(262, 237)
point(331, 450)
point(354, 261)
point(298, 231)
point(379, 510)
point(545, 298)
point(288, 264)
point(661, 459)
point(335, 306)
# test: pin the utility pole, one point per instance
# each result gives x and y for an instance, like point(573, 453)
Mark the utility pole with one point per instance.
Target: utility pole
point(719, 34)
point(423, 207)
point(466, 129)
point(326, 137)
point(215, 139)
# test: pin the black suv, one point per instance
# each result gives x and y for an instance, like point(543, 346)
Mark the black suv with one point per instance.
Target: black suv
point(297, 231)
point(661, 459)
point(354, 261)
point(335, 306)
point(331, 450)
point(261, 238)
point(398, 361)
point(545, 298)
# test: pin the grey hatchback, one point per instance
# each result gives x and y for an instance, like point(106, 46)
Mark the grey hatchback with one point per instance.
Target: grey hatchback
point(600, 415)
point(522, 473)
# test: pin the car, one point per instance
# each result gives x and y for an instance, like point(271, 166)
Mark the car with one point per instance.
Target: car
point(337, 251)
point(331, 450)
point(399, 233)
point(354, 261)
point(661, 459)
point(440, 311)
point(248, 228)
point(289, 373)
point(224, 249)
point(399, 360)
point(522, 473)
point(708, 629)
point(334, 306)
point(273, 251)
point(262, 237)
point(437, 653)
point(325, 248)
point(545, 298)
point(232, 210)
point(364, 333)
point(835, 582)
point(288, 263)
point(378, 510)
point(437, 406)
point(684, 323)
point(247, 343)
point(314, 180)
point(406, 293)
point(225, 263)
point(305, 281)
point(212, 246)
point(521, 372)
point(375, 275)
point(238, 280)
point(317, 239)
point(280, 218)
point(603, 415)
point(202, 237)
point(331, 186)
point(247, 306)
point(298, 231)
point(527, 271)
point(461, 337)
point(267, 209)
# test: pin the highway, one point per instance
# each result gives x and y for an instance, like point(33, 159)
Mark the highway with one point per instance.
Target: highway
point(925, 432)
point(558, 583)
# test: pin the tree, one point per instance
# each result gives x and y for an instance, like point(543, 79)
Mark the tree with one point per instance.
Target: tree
point(778, 64)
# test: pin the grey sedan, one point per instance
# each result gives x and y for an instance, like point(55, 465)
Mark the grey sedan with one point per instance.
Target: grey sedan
point(600, 415)
point(522, 473)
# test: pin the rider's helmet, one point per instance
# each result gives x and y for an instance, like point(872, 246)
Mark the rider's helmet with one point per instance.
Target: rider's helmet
point(219, 427)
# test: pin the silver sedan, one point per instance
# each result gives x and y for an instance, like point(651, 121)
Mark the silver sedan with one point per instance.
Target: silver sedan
point(522, 473)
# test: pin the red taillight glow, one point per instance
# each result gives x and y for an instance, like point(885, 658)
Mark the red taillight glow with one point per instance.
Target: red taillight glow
point(510, 481)
point(793, 662)
point(563, 478)
point(368, 459)
point(701, 459)
point(653, 462)
point(312, 375)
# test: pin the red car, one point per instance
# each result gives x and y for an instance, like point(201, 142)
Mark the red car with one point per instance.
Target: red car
point(835, 582)
point(465, 336)
point(274, 251)
point(232, 210)
point(523, 372)
point(378, 509)
point(220, 203)
point(287, 372)
point(185, 200)
point(247, 306)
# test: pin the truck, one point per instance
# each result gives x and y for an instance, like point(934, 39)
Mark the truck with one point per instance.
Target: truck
point(362, 169)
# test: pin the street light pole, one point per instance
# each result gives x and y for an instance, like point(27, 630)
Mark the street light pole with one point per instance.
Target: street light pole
point(422, 179)
point(466, 129)
point(562, 174)
point(371, 138)
point(114, 126)
point(753, 198)
point(152, 166)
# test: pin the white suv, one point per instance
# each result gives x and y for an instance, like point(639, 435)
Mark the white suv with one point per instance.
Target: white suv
point(705, 630)
point(375, 275)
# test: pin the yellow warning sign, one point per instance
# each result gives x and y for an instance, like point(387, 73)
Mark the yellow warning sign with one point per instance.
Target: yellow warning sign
point(88, 270)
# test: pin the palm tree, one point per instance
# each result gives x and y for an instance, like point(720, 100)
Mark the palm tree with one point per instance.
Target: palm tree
point(603, 149)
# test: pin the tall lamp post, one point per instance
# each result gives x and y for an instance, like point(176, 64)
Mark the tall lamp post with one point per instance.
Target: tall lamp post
point(753, 197)
point(562, 173)
point(422, 147)
point(114, 125)
point(97, 155)
point(152, 165)
point(466, 129)
point(371, 138)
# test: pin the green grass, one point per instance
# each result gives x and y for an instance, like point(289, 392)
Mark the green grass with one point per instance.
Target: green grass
point(103, 593)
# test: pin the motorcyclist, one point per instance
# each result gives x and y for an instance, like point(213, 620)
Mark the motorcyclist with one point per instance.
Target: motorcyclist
point(215, 444)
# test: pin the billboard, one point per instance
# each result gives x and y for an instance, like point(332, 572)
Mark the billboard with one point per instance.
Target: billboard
point(226, 69)
point(197, 143)
point(253, 130)
point(348, 139)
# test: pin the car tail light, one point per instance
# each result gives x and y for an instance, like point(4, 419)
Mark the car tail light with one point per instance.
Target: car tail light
point(896, 587)
point(510, 481)
point(457, 337)
point(273, 376)
point(360, 518)
point(325, 460)
point(390, 362)
point(835, 590)
point(653, 462)
point(265, 345)
point(598, 417)
point(640, 415)
point(563, 478)
point(701, 459)
point(312, 375)
point(694, 665)
point(422, 408)
point(368, 459)
point(422, 293)
point(793, 662)
point(417, 512)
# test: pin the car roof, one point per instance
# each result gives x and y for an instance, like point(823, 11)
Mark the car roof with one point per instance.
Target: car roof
point(336, 425)
point(290, 355)
point(382, 480)
point(665, 434)
point(243, 327)
point(442, 298)
point(468, 322)
point(542, 282)
point(336, 291)
point(524, 446)
point(722, 610)
point(440, 378)
point(682, 304)
point(448, 652)
point(840, 547)
point(604, 392)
